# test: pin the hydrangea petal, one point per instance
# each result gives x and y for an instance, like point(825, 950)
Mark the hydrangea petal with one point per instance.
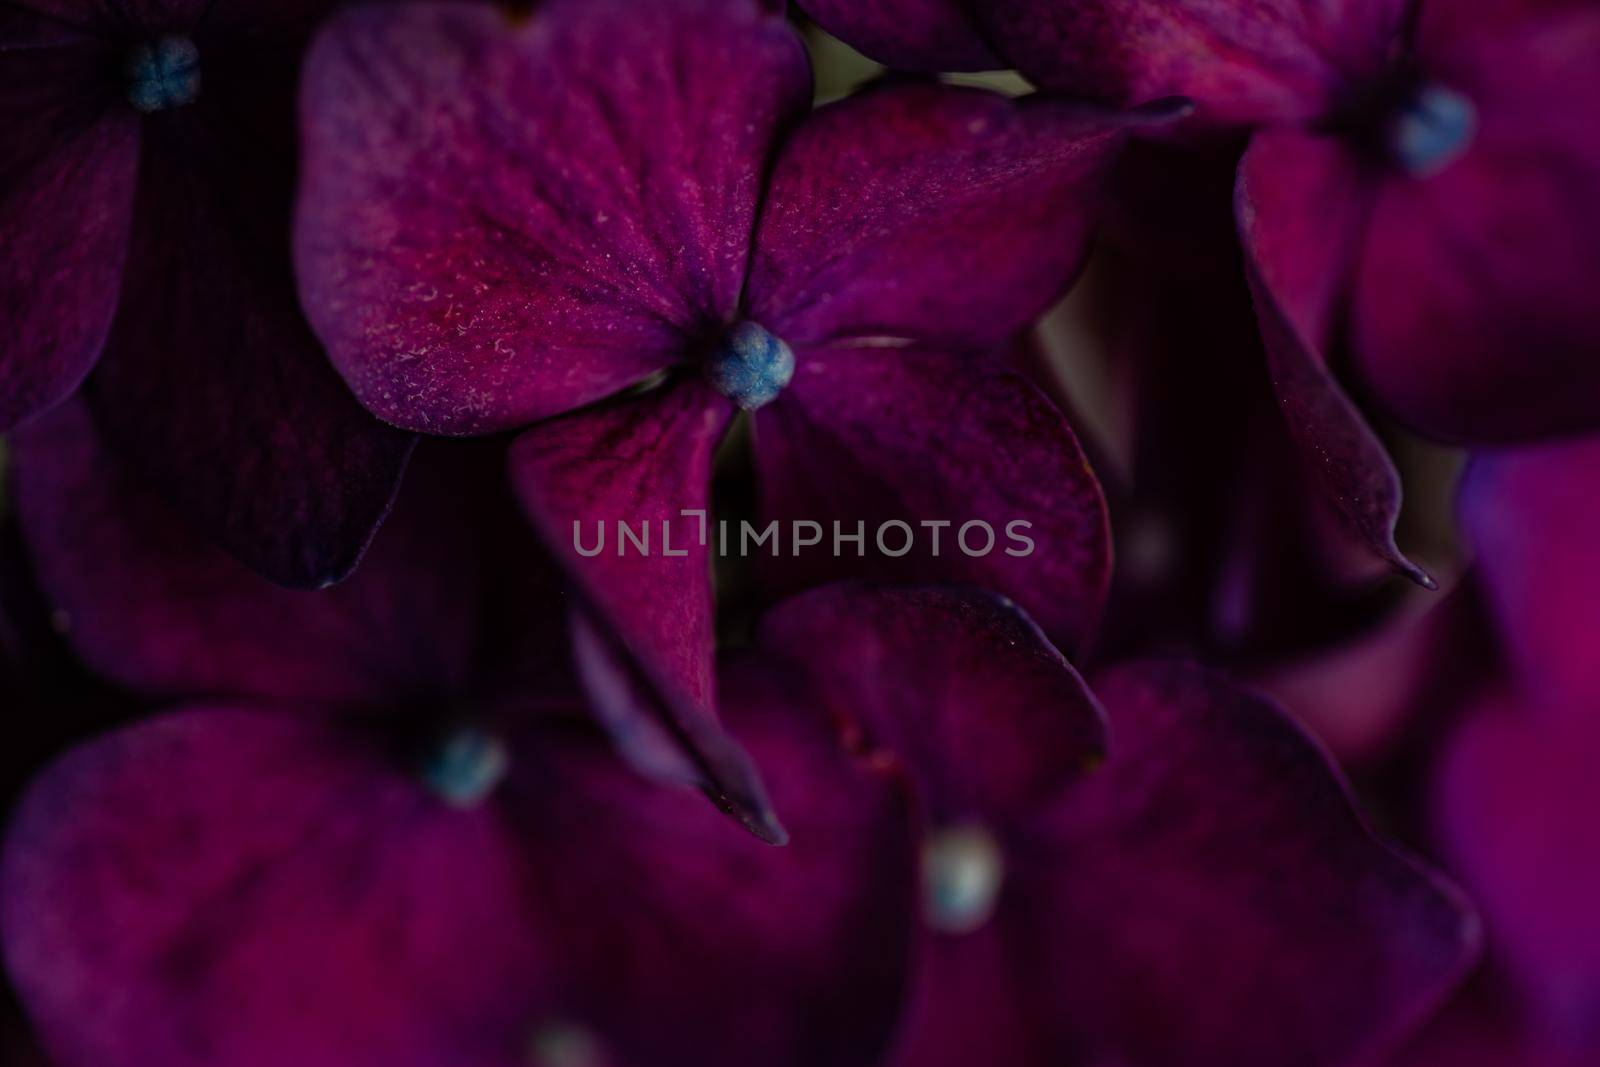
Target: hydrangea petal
point(947, 215)
point(147, 602)
point(263, 888)
point(1239, 873)
point(695, 945)
point(867, 436)
point(1302, 204)
point(1533, 519)
point(504, 219)
point(1474, 313)
point(1275, 60)
point(1514, 804)
point(957, 685)
point(67, 165)
point(929, 35)
point(212, 382)
point(642, 462)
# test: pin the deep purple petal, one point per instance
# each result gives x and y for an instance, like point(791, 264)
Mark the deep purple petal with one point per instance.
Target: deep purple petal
point(147, 602)
point(957, 686)
point(642, 462)
point(1475, 312)
point(929, 35)
point(262, 889)
point(503, 219)
point(694, 945)
point(1215, 865)
point(67, 163)
point(1302, 204)
point(1533, 518)
point(1514, 805)
point(1276, 60)
point(915, 210)
point(212, 381)
point(874, 435)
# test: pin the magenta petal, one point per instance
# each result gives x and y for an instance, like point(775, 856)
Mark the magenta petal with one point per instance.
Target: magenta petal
point(915, 210)
point(929, 35)
point(956, 685)
point(261, 889)
point(1302, 207)
point(504, 219)
point(1214, 863)
point(1475, 311)
point(67, 163)
point(147, 602)
point(1277, 60)
point(212, 382)
point(1514, 805)
point(1533, 519)
point(694, 945)
point(868, 436)
point(643, 461)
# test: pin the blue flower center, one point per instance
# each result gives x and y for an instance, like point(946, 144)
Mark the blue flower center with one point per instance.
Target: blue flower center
point(962, 871)
point(465, 767)
point(750, 366)
point(1431, 130)
point(163, 75)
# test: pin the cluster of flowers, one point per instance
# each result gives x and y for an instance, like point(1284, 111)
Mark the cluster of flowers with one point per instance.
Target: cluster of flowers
point(334, 743)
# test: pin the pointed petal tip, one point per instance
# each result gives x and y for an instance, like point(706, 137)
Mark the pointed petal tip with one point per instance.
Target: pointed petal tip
point(1410, 570)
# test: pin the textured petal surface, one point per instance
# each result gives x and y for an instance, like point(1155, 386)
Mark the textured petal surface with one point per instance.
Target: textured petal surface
point(958, 686)
point(591, 481)
point(67, 164)
point(1534, 519)
point(148, 603)
point(927, 35)
point(1475, 315)
point(260, 889)
point(873, 435)
point(502, 221)
point(1238, 874)
point(1514, 806)
point(694, 944)
point(212, 381)
point(946, 215)
point(1302, 203)
point(1240, 62)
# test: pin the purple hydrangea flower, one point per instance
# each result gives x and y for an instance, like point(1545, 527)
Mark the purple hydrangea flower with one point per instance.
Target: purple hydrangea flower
point(146, 179)
point(1421, 191)
point(613, 225)
point(358, 835)
point(1118, 912)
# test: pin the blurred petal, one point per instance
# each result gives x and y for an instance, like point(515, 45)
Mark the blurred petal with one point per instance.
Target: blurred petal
point(150, 604)
point(643, 461)
point(265, 889)
point(1214, 862)
point(674, 914)
point(212, 382)
point(1475, 313)
point(946, 215)
point(1534, 520)
point(929, 35)
point(1302, 205)
point(958, 686)
point(502, 220)
point(1514, 806)
point(1278, 60)
point(67, 164)
point(873, 435)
